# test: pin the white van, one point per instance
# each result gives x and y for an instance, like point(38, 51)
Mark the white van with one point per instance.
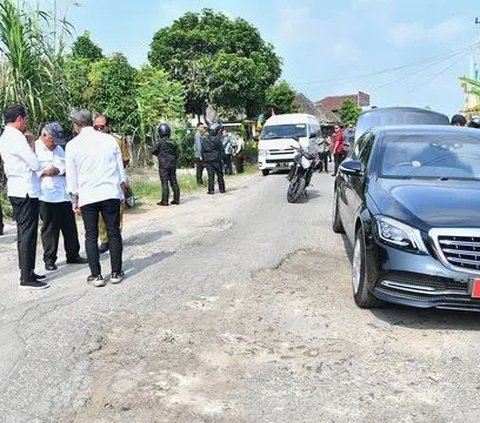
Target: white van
point(275, 143)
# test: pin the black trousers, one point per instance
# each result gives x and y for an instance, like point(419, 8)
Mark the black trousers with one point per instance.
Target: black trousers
point(1, 220)
point(110, 210)
point(215, 168)
point(239, 162)
point(228, 164)
point(58, 217)
point(25, 214)
point(323, 162)
point(337, 159)
point(199, 168)
point(168, 175)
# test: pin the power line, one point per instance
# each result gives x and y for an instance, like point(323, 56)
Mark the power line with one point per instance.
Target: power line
point(418, 71)
point(394, 69)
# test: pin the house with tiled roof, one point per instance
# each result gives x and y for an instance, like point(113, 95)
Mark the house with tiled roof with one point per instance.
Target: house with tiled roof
point(334, 103)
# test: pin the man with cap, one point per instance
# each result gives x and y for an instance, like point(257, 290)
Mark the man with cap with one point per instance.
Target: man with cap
point(55, 205)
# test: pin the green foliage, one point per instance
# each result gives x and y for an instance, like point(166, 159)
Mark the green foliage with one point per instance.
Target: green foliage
point(219, 61)
point(349, 113)
point(113, 90)
point(85, 48)
point(159, 98)
point(32, 62)
point(281, 98)
point(77, 71)
point(185, 139)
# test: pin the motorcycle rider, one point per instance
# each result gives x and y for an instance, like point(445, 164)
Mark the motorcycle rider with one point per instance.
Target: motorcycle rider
point(213, 155)
point(167, 152)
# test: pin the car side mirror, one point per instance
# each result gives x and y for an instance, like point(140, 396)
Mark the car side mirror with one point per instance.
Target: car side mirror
point(313, 135)
point(351, 167)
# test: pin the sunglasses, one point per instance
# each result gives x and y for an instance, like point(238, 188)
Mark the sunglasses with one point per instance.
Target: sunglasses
point(99, 127)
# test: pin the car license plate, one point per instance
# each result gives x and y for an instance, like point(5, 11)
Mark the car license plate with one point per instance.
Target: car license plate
point(476, 288)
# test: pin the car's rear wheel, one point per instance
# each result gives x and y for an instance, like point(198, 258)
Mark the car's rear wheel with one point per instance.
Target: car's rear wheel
point(361, 294)
point(337, 225)
point(265, 172)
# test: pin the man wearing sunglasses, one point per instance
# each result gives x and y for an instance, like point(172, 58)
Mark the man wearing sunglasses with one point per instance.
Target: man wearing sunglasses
point(102, 123)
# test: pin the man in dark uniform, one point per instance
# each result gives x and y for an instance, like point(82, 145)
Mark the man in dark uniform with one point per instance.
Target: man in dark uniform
point(213, 154)
point(167, 153)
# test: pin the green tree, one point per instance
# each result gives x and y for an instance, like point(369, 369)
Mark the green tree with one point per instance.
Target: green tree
point(159, 99)
point(84, 48)
point(281, 98)
point(77, 71)
point(32, 62)
point(220, 61)
point(112, 89)
point(349, 113)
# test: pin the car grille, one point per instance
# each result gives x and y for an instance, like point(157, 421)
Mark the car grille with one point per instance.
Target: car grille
point(460, 251)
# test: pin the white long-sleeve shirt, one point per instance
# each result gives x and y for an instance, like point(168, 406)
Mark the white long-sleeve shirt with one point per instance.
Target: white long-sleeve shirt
point(94, 167)
point(20, 164)
point(53, 189)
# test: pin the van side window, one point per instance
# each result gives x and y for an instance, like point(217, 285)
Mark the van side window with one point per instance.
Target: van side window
point(365, 149)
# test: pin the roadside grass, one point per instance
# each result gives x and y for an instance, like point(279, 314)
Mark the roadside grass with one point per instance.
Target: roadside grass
point(149, 191)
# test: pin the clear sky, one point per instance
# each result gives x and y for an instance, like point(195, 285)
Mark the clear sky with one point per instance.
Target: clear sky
point(328, 47)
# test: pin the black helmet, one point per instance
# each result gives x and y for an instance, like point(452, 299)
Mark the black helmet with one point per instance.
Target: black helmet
point(474, 122)
point(164, 130)
point(214, 128)
point(458, 120)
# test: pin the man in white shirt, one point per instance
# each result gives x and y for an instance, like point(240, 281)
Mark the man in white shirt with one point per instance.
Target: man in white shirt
point(95, 178)
point(55, 206)
point(23, 187)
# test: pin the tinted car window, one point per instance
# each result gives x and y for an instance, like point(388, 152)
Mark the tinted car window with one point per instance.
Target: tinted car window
point(363, 148)
point(367, 149)
point(283, 131)
point(433, 155)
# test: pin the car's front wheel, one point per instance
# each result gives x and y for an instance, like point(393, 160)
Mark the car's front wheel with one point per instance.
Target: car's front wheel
point(362, 295)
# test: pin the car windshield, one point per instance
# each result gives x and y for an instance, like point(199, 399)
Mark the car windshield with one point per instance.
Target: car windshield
point(393, 116)
point(270, 132)
point(440, 156)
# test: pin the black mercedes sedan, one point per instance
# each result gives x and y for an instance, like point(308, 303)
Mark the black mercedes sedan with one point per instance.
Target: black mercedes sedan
point(408, 200)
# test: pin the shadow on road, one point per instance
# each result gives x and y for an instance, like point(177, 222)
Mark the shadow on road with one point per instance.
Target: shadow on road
point(143, 238)
point(434, 319)
point(137, 265)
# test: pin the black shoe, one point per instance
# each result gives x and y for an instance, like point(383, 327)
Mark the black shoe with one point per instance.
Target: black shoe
point(1, 230)
point(50, 267)
point(96, 280)
point(80, 259)
point(162, 203)
point(33, 284)
point(38, 277)
point(117, 277)
point(223, 192)
point(104, 246)
point(211, 192)
point(175, 202)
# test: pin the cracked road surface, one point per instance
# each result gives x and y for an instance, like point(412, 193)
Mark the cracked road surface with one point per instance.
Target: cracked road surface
point(236, 308)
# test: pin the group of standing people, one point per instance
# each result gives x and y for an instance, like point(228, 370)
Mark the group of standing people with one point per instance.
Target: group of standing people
point(216, 150)
point(46, 181)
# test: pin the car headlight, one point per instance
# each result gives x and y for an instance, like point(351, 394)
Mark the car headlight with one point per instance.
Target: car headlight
point(262, 152)
point(400, 235)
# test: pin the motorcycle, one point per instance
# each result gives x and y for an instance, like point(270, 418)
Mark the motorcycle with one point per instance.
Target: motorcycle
point(300, 174)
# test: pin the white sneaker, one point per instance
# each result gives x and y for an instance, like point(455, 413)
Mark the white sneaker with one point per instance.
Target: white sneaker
point(117, 277)
point(96, 281)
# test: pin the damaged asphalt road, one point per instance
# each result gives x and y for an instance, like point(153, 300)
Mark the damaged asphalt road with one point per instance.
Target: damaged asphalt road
point(236, 308)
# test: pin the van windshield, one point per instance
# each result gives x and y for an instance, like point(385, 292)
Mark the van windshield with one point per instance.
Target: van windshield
point(271, 132)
